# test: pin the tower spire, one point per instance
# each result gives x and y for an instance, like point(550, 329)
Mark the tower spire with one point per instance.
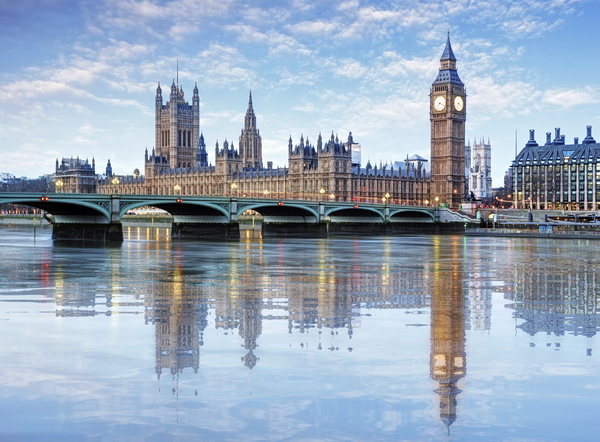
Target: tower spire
point(448, 54)
point(250, 101)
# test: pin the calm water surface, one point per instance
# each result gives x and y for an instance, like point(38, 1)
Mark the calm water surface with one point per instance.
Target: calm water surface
point(360, 339)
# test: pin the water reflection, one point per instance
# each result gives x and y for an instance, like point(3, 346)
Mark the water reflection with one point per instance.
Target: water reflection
point(350, 339)
point(563, 299)
point(448, 362)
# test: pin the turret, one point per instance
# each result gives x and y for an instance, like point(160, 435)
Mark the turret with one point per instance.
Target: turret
point(173, 91)
point(196, 97)
point(159, 99)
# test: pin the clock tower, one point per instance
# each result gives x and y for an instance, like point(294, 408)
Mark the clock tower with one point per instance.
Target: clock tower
point(448, 113)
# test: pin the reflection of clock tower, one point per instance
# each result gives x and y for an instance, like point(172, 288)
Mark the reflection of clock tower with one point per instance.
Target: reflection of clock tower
point(448, 355)
point(448, 114)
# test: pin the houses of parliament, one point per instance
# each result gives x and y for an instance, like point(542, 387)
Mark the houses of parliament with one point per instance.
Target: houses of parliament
point(178, 163)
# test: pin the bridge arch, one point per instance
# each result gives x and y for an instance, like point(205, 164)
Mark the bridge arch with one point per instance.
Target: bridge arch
point(184, 211)
point(63, 208)
point(412, 215)
point(360, 214)
point(278, 212)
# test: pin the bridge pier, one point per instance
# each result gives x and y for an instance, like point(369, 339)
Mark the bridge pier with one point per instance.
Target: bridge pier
point(185, 230)
point(294, 230)
point(88, 232)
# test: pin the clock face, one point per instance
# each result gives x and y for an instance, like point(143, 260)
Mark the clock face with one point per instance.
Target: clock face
point(440, 103)
point(458, 104)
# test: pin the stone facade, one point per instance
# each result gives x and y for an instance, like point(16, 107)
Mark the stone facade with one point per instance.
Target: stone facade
point(448, 112)
point(73, 175)
point(326, 170)
point(480, 176)
point(314, 172)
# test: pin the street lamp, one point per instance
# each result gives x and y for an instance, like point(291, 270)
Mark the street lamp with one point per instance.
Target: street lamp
point(426, 202)
point(177, 189)
point(266, 192)
point(59, 185)
point(115, 182)
point(387, 197)
point(322, 192)
point(437, 202)
point(233, 188)
point(332, 196)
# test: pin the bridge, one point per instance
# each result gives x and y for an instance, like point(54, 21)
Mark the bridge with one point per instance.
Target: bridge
point(97, 217)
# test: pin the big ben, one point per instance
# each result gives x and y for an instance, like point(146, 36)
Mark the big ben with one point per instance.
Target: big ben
point(448, 113)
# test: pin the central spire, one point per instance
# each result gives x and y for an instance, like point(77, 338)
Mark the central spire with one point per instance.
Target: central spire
point(448, 54)
point(250, 101)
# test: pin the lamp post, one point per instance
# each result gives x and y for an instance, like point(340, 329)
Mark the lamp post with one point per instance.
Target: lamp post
point(332, 197)
point(437, 202)
point(266, 192)
point(59, 185)
point(322, 192)
point(177, 189)
point(115, 182)
point(233, 189)
point(426, 202)
point(387, 198)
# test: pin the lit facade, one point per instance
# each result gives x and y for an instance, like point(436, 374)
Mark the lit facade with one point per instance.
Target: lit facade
point(327, 169)
point(73, 175)
point(557, 175)
point(448, 114)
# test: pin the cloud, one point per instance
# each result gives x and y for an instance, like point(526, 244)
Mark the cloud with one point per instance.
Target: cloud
point(568, 98)
point(88, 129)
point(222, 66)
point(318, 27)
point(505, 100)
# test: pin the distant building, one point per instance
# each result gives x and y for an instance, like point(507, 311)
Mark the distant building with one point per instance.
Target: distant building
point(557, 175)
point(109, 170)
point(329, 165)
point(480, 174)
point(467, 165)
point(73, 175)
point(330, 168)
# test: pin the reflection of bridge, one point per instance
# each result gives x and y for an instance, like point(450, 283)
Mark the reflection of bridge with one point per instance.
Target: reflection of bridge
point(98, 216)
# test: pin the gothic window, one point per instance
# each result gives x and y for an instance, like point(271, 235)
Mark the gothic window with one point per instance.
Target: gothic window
point(179, 139)
point(189, 138)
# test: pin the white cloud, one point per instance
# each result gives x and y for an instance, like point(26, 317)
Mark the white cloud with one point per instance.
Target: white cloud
point(88, 129)
point(568, 98)
point(318, 27)
point(493, 99)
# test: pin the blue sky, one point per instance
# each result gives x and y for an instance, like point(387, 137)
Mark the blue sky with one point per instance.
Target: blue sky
point(79, 78)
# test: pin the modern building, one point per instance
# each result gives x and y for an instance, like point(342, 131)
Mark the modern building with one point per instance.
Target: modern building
point(557, 175)
point(329, 168)
point(73, 175)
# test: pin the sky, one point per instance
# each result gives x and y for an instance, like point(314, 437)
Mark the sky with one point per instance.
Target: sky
point(78, 78)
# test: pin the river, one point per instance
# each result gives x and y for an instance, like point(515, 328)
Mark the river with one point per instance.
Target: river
point(414, 338)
